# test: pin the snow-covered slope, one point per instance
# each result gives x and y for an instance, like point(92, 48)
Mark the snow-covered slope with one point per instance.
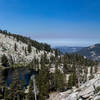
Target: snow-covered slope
point(7, 44)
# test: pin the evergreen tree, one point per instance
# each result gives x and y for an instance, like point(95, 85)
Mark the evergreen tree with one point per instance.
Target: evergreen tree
point(42, 81)
point(70, 81)
point(25, 52)
point(6, 93)
point(91, 72)
point(59, 80)
point(96, 69)
point(86, 72)
point(4, 60)
point(15, 47)
point(15, 88)
point(30, 95)
point(73, 81)
point(23, 83)
point(29, 48)
point(2, 86)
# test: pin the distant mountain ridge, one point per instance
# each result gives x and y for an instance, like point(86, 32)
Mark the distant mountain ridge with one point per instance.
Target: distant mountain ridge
point(66, 49)
point(91, 52)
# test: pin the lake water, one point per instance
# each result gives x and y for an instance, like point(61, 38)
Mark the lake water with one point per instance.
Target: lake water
point(24, 73)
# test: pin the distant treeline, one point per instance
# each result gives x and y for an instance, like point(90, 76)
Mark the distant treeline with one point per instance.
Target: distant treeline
point(77, 59)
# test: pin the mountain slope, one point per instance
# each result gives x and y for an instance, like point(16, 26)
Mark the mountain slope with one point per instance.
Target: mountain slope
point(27, 40)
point(17, 50)
point(91, 52)
point(88, 91)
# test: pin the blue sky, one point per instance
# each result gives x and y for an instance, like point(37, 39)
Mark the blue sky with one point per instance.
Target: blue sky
point(57, 22)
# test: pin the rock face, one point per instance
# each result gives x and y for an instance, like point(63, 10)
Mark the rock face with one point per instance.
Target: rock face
point(86, 91)
point(7, 47)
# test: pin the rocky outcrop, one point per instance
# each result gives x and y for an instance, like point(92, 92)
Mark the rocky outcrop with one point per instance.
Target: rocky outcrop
point(86, 91)
point(7, 47)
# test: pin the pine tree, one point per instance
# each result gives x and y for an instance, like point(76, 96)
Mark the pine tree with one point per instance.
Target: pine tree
point(29, 48)
point(25, 52)
point(59, 80)
point(15, 47)
point(23, 83)
point(1, 88)
point(6, 97)
point(15, 88)
point(42, 81)
point(30, 95)
point(4, 60)
point(73, 81)
point(91, 70)
point(96, 69)
point(70, 81)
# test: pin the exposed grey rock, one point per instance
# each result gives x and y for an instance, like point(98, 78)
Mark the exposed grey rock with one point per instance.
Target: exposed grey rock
point(86, 91)
point(7, 47)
